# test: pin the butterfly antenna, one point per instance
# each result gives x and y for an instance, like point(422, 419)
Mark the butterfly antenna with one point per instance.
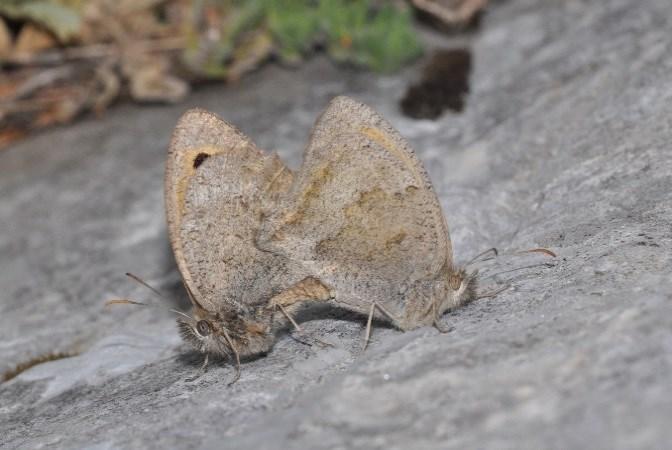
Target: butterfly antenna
point(139, 280)
point(126, 301)
point(478, 257)
point(492, 294)
point(545, 251)
point(493, 253)
point(516, 269)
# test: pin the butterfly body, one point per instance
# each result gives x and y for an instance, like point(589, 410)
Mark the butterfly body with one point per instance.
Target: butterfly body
point(250, 332)
point(358, 226)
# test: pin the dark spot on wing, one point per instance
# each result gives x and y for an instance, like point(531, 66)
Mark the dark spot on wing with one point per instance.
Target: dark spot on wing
point(199, 159)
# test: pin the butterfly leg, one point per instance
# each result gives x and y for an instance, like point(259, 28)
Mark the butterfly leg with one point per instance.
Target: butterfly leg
point(201, 370)
point(437, 320)
point(369, 321)
point(435, 312)
point(307, 290)
point(236, 376)
point(290, 318)
point(299, 334)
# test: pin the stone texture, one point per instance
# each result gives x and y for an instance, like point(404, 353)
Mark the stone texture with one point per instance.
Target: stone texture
point(565, 143)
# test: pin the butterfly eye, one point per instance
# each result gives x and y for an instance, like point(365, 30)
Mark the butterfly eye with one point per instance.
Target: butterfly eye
point(203, 327)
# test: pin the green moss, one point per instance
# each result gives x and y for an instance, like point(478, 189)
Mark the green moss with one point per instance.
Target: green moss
point(380, 38)
point(295, 27)
point(366, 33)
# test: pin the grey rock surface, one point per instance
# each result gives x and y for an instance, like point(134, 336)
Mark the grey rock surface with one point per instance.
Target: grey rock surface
point(566, 143)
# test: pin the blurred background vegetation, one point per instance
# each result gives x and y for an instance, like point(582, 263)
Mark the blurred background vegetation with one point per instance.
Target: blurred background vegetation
point(62, 58)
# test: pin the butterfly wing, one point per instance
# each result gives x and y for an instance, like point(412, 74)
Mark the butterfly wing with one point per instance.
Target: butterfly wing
point(361, 214)
point(218, 185)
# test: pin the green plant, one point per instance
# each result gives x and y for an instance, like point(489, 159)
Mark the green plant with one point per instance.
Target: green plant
point(377, 35)
point(380, 37)
point(294, 25)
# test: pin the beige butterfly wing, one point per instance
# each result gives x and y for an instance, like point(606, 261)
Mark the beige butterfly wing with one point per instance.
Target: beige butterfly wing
point(218, 185)
point(361, 215)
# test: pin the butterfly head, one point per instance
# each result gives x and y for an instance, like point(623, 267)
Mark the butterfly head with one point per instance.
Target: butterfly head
point(225, 333)
point(462, 287)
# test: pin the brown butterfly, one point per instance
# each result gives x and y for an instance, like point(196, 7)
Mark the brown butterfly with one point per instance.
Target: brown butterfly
point(358, 226)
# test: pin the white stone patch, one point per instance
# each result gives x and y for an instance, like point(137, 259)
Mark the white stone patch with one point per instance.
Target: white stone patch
point(110, 357)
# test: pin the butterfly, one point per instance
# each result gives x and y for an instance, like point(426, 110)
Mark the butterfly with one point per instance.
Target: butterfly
point(357, 226)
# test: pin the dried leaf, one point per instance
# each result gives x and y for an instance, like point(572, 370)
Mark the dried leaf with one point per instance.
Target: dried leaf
point(254, 50)
point(10, 135)
point(10, 83)
point(64, 104)
point(150, 80)
point(31, 99)
point(108, 87)
point(64, 22)
point(121, 22)
point(32, 39)
point(31, 81)
point(152, 86)
point(451, 13)
point(5, 40)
